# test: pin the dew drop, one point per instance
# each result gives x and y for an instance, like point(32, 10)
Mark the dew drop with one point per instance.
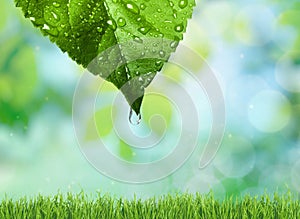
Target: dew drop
point(99, 29)
point(133, 118)
point(56, 17)
point(112, 24)
point(143, 6)
point(121, 22)
point(182, 4)
point(179, 28)
point(144, 30)
point(158, 63)
point(174, 44)
point(175, 13)
point(137, 39)
point(46, 27)
point(139, 19)
point(55, 4)
point(162, 54)
point(133, 7)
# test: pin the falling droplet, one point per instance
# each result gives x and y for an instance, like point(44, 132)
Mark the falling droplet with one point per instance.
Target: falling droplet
point(133, 118)
point(182, 4)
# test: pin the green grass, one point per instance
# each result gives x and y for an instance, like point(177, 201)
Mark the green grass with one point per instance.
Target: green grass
point(177, 206)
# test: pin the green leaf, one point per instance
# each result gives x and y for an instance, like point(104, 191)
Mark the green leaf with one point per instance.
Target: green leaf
point(125, 151)
point(95, 127)
point(157, 105)
point(111, 37)
point(3, 12)
point(17, 83)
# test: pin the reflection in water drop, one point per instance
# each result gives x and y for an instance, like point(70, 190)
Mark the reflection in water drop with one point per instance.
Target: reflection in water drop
point(133, 118)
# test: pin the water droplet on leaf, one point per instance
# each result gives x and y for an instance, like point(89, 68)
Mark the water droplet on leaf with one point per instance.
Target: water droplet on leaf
point(55, 4)
point(179, 28)
point(143, 6)
point(133, 7)
point(182, 4)
point(144, 30)
point(121, 22)
point(162, 54)
point(99, 29)
point(137, 39)
point(174, 44)
point(112, 24)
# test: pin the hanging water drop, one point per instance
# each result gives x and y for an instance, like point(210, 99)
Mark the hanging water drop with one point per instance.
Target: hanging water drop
point(134, 119)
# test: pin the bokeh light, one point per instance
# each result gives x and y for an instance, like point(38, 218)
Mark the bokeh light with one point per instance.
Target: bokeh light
point(269, 111)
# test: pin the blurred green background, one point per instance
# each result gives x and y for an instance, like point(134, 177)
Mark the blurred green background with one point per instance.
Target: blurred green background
point(253, 47)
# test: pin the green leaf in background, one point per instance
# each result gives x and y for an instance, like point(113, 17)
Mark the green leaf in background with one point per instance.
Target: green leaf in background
point(157, 113)
point(17, 83)
point(3, 12)
point(95, 127)
point(125, 151)
point(86, 28)
point(291, 18)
